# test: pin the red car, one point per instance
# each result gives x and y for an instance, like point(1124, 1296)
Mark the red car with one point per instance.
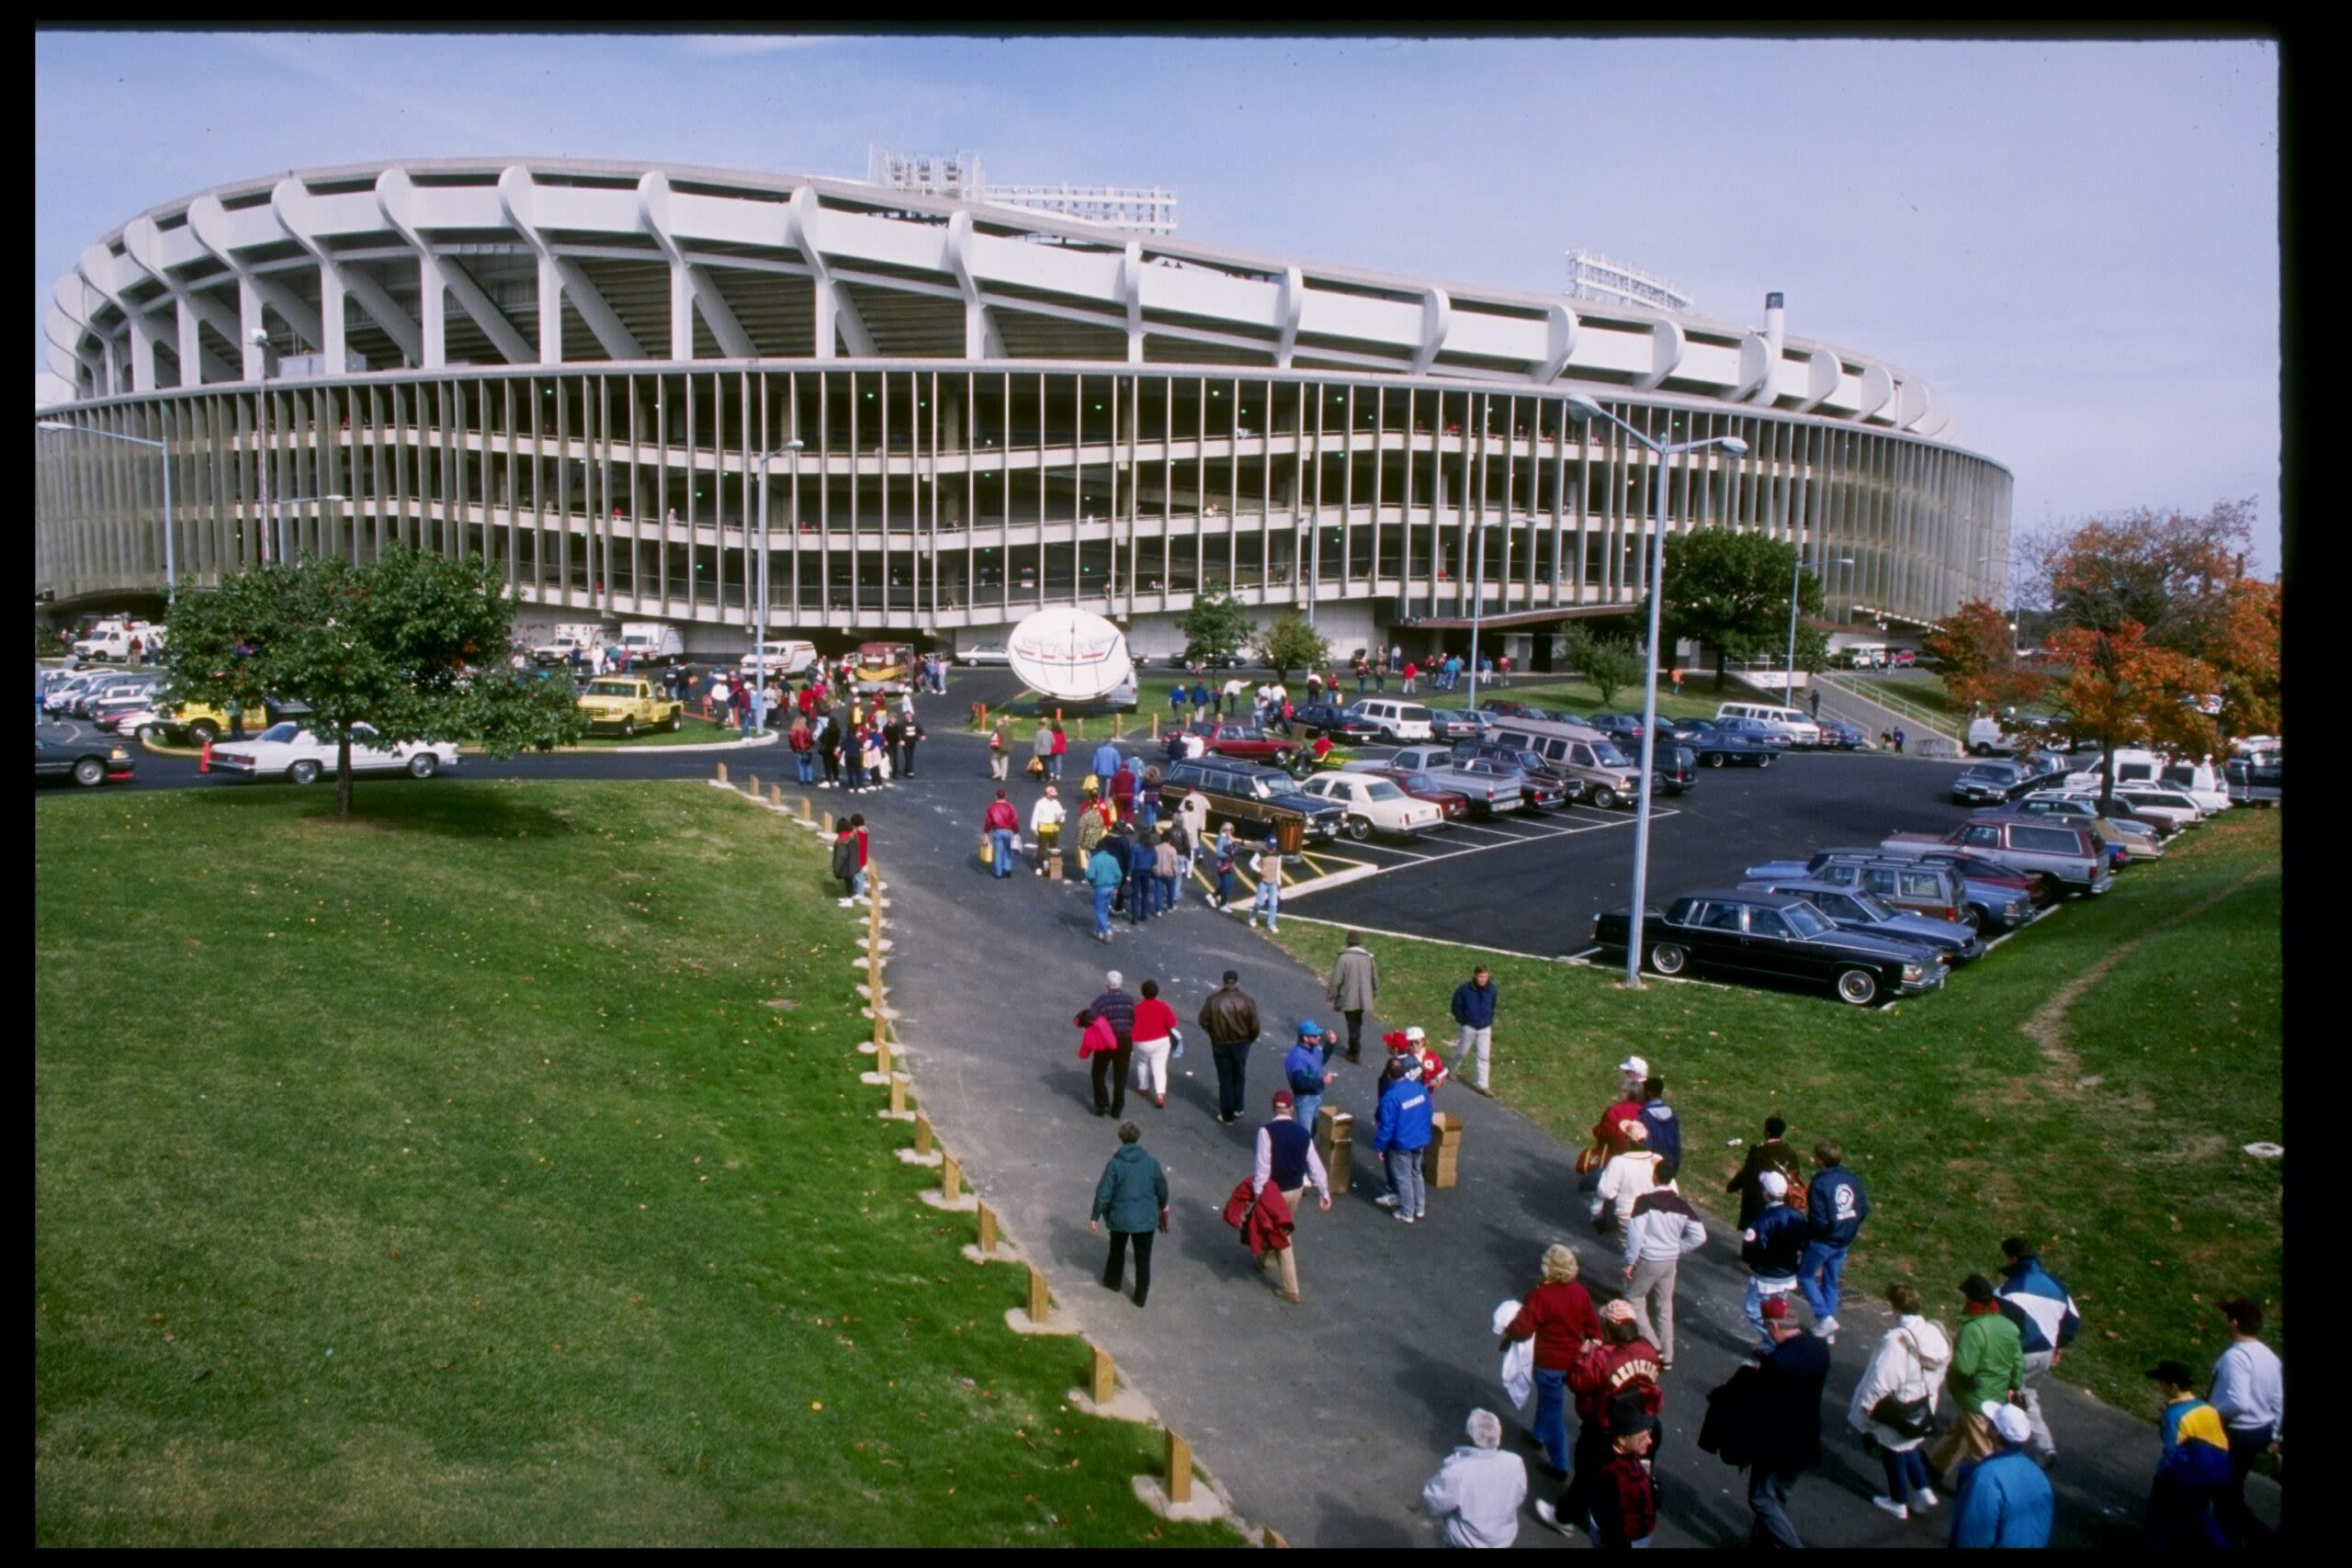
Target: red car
point(1420, 786)
point(1977, 869)
point(1247, 742)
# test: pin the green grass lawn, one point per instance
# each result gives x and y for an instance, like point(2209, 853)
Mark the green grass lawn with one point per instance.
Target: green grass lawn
point(2113, 1135)
point(494, 1170)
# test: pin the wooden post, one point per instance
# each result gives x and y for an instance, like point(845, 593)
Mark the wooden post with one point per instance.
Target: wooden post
point(899, 1094)
point(1041, 1300)
point(722, 773)
point(826, 822)
point(1118, 725)
point(1180, 1470)
point(802, 801)
point(1154, 727)
point(752, 780)
point(776, 795)
point(987, 1228)
point(1103, 1377)
point(923, 1132)
point(881, 1052)
point(950, 1177)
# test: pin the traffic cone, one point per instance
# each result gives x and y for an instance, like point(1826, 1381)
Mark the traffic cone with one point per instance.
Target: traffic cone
point(204, 759)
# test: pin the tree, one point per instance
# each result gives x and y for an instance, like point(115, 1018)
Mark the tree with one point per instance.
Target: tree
point(1609, 663)
point(2244, 655)
point(1291, 644)
point(1730, 592)
point(1979, 656)
point(1216, 627)
point(411, 645)
point(2139, 600)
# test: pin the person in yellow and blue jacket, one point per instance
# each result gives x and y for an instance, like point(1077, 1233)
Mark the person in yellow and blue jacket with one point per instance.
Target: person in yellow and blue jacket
point(2195, 1469)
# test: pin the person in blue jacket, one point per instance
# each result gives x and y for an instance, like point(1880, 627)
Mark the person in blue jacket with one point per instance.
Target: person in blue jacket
point(1143, 879)
point(1106, 763)
point(1305, 1068)
point(2194, 1474)
point(1398, 1137)
point(1772, 1248)
point(2004, 1500)
point(1473, 1011)
point(1666, 1131)
point(2036, 1300)
point(1836, 1207)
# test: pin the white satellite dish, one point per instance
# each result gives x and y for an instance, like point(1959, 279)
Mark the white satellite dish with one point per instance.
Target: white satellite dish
point(1070, 655)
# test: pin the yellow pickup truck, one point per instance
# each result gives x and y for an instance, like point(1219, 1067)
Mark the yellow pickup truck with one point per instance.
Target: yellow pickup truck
point(623, 705)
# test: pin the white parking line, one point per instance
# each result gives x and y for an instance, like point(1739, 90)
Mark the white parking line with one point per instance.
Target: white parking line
point(1344, 877)
point(1433, 940)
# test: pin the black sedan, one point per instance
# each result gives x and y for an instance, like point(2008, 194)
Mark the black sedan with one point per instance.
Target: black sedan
point(1718, 747)
point(1331, 720)
point(86, 758)
point(1769, 937)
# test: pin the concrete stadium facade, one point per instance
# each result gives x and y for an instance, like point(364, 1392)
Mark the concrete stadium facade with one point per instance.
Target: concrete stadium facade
point(576, 369)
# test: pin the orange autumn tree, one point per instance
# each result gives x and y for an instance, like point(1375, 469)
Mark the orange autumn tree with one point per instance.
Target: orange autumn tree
point(2138, 600)
point(2243, 653)
point(1978, 655)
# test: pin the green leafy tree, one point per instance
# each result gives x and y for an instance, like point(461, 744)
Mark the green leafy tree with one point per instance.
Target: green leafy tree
point(1291, 644)
point(412, 645)
point(1730, 592)
point(1610, 664)
point(1216, 627)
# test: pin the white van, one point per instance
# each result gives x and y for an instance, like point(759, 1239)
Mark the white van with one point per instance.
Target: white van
point(586, 636)
point(1399, 721)
point(651, 642)
point(784, 658)
point(1800, 730)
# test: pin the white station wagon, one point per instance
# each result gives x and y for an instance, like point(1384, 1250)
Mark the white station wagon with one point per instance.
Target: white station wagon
point(1372, 804)
point(300, 756)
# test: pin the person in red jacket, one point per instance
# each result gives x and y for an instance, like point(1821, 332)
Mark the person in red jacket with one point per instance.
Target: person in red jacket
point(1610, 1129)
point(1616, 1384)
point(1003, 826)
point(1558, 1315)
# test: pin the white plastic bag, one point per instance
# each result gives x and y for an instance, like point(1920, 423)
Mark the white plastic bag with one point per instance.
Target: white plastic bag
point(1519, 1361)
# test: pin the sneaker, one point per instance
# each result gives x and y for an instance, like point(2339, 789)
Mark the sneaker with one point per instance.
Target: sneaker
point(1828, 1328)
point(1386, 1199)
point(1665, 1364)
point(1161, 1101)
point(1404, 1216)
point(1900, 1510)
point(1420, 1213)
point(1290, 1296)
point(1551, 1516)
point(1482, 1088)
point(1926, 1498)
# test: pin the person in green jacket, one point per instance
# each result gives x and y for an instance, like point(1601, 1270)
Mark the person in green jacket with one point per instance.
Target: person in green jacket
point(1987, 1367)
point(1132, 1198)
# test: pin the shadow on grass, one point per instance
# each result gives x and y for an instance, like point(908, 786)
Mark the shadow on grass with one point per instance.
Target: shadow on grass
point(445, 810)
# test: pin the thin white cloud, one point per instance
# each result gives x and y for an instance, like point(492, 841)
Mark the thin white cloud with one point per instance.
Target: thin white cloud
point(726, 46)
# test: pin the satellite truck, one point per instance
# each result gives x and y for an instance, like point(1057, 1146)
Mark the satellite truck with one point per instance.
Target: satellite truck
point(1073, 660)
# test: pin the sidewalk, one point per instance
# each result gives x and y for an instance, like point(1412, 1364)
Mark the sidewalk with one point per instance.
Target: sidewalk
point(1324, 1419)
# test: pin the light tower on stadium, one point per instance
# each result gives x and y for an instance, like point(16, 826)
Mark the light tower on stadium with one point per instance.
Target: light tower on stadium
point(1137, 209)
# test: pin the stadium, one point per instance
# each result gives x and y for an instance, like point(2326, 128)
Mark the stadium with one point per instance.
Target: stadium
point(583, 370)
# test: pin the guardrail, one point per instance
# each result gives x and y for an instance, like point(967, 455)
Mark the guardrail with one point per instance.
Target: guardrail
point(1927, 719)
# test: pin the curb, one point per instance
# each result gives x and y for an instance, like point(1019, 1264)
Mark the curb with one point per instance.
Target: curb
point(765, 738)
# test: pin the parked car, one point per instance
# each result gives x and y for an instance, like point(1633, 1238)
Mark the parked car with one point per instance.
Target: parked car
point(1624, 728)
point(1453, 804)
point(301, 755)
point(994, 653)
point(2055, 847)
point(1582, 759)
point(2201, 782)
point(2126, 837)
point(1718, 747)
point(85, 758)
point(1329, 719)
point(132, 715)
point(1769, 936)
point(1798, 729)
point(1985, 783)
point(1248, 743)
point(2257, 779)
point(651, 642)
point(623, 705)
point(1678, 766)
point(1394, 721)
point(2161, 805)
point(1543, 782)
point(1837, 735)
point(1854, 908)
point(1764, 733)
point(1490, 789)
point(1930, 887)
point(1507, 708)
point(1977, 872)
point(788, 658)
point(583, 636)
point(1449, 725)
point(1373, 805)
point(1259, 798)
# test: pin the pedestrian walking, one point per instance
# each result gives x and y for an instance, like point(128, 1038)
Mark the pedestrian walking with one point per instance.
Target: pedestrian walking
point(1772, 1154)
point(1666, 1130)
point(1771, 1248)
point(1268, 869)
point(1623, 1497)
point(1476, 1492)
point(911, 734)
point(1894, 1406)
point(1306, 1068)
point(1176, 695)
point(1147, 800)
point(1121, 792)
point(1118, 1009)
point(1132, 1199)
point(2195, 1473)
point(1105, 870)
point(1287, 1157)
point(1168, 866)
point(1355, 986)
point(1616, 1388)
point(1987, 1365)
point(1143, 878)
point(1230, 1019)
point(1474, 1014)
point(2036, 1301)
point(1835, 1208)
point(1201, 700)
point(875, 758)
point(1155, 1038)
point(1400, 1134)
point(803, 743)
point(2249, 1391)
point(1001, 825)
point(1612, 1137)
point(1045, 820)
point(1661, 1228)
point(1625, 1180)
point(1780, 1411)
point(999, 758)
point(1412, 673)
point(1178, 832)
point(1558, 1315)
point(1106, 764)
point(1041, 751)
point(829, 750)
point(1060, 745)
point(1899, 737)
point(1677, 679)
point(1226, 865)
point(849, 858)
point(2003, 1501)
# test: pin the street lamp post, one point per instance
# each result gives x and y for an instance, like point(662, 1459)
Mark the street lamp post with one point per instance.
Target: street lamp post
point(1583, 409)
point(260, 340)
point(760, 632)
point(171, 568)
point(1796, 577)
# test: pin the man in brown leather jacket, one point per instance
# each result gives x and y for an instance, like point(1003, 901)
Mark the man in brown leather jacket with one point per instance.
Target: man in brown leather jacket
point(1229, 1018)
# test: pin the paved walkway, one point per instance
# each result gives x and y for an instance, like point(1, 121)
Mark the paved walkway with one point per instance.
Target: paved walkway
point(1322, 1419)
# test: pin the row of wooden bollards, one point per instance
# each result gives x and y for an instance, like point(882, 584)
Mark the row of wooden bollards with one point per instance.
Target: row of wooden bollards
point(1170, 1493)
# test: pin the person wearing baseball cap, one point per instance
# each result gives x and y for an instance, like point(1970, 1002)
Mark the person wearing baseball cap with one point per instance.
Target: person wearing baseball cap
point(1771, 1248)
point(1307, 1069)
point(1287, 1157)
point(1781, 1417)
point(2005, 1499)
point(2193, 1476)
point(1987, 1368)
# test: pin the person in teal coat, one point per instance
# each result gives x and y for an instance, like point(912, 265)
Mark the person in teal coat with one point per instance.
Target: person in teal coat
point(1132, 1199)
point(1105, 869)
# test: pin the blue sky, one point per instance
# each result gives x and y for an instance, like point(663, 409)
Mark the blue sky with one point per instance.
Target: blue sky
point(2076, 242)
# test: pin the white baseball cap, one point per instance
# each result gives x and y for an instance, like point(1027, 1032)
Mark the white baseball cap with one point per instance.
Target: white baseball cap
point(1775, 1185)
point(1634, 1065)
point(1112, 979)
point(1416, 1033)
point(2007, 1420)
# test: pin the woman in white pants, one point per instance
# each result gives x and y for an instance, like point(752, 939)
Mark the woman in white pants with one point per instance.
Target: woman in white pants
point(1155, 1036)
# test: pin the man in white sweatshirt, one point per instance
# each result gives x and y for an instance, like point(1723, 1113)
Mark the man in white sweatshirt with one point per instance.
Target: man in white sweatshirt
point(1477, 1492)
point(1659, 1230)
point(1045, 820)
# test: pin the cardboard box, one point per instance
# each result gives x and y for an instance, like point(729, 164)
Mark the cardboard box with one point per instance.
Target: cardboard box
point(1335, 1140)
point(1441, 1160)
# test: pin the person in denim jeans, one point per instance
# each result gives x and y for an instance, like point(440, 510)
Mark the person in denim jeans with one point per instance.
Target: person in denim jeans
point(1143, 879)
point(1269, 869)
point(1836, 1207)
point(1400, 1135)
point(1104, 874)
point(1168, 869)
point(804, 750)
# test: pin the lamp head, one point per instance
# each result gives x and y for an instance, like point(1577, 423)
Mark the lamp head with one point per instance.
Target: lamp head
point(1582, 408)
point(1733, 445)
